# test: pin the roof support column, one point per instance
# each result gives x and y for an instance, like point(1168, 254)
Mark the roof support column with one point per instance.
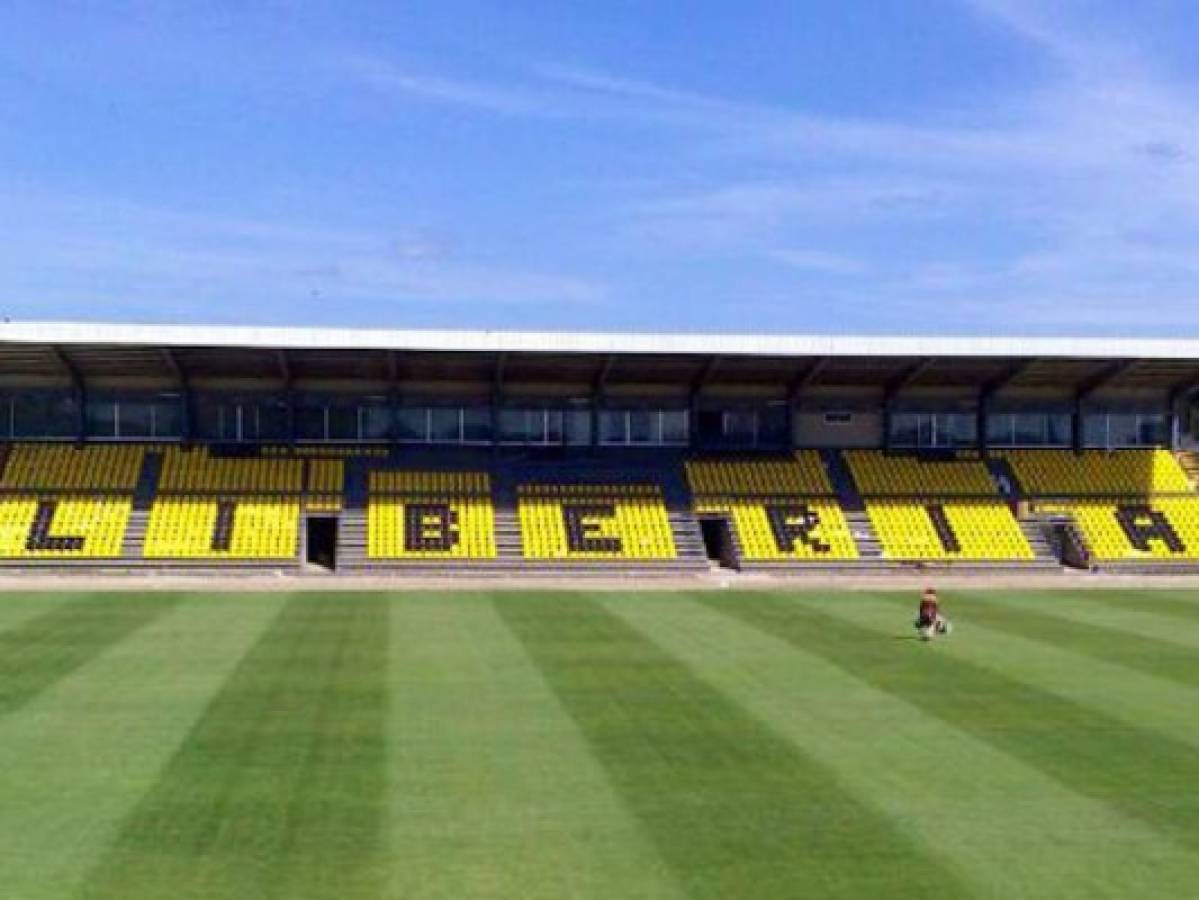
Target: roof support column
point(1089, 388)
point(695, 390)
point(393, 397)
point(1179, 401)
point(892, 390)
point(497, 398)
point(187, 413)
point(78, 392)
point(289, 395)
point(987, 395)
point(598, 391)
point(802, 380)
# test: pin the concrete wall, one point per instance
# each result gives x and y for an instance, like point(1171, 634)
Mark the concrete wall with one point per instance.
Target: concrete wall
point(865, 429)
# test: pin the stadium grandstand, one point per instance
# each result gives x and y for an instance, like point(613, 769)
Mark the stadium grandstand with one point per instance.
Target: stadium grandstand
point(193, 448)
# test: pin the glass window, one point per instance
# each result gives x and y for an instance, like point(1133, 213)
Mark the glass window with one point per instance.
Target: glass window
point(904, 429)
point(446, 426)
point(926, 433)
point(41, 414)
point(476, 425)
point(1060, 429)
point(271, 420)
point(675, 426)
point(135, 418)
point(1122, 430)
point(310, 424)
point(343, 423)
point(209, 419)
point(101, 418)
point(741, 427)
point(375, 422)
point(553, 426)
point(168, 418)
point(613, 425)
point(514, 426)
point(957, 429)
point(772, 426)
point(1153, 429)
point(1094, 431)
point(412, 424)
point(578, 427)
point(1030, 429)
point(1000, 430)
point(644, 427)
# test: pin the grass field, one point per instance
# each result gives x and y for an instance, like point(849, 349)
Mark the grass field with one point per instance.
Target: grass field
point(550, 745)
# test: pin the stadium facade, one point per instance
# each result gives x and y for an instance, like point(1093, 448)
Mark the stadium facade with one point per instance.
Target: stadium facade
point(442, 450)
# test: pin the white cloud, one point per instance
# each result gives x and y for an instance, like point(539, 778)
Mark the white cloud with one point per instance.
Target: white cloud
point(71, 248)
point(383, 76)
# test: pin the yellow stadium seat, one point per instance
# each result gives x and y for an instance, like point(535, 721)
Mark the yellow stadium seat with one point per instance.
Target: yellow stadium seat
point(595, 522)
point(195, 471)
point(786, 528)
point(1135, 528)
point(66, 467)
point(949, 529)
point(781, 507)
point(800, 475)
point(1116, 473)
point(227, 527)
point(66, 526)
point(937, 509)
point(430, 515)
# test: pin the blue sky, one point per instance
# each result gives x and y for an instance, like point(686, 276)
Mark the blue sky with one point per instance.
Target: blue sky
point(878, 166)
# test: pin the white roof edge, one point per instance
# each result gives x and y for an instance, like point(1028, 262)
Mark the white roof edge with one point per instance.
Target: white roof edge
point(68, 333)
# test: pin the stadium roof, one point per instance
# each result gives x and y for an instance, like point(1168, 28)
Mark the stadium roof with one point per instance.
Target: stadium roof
point(86, 333)
point(182, 352)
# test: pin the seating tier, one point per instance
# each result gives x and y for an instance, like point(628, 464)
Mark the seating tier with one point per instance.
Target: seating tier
point(617, 522)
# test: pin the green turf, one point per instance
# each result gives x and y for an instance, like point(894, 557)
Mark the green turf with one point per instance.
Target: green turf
point(623, 745)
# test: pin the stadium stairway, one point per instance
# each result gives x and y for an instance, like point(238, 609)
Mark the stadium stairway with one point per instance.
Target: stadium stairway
point(1034, 528)
point(1042, 548)
point(143, 499)
point(870, 548)
point(843, 481)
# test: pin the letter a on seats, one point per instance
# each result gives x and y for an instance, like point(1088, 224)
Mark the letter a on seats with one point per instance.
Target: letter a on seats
point(1143, 525)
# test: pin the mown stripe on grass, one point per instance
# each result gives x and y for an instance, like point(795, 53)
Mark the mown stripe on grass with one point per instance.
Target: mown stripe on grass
point(494, 791)
point(1179, 604)
point(1144, 621)
point(77, 759)
point(17, 609)
point(279, 790)
point(1140, 700)
point(1093, 632)
point(735, 810)
point(1009, 829)
point(44, 649)
point(1142, 774)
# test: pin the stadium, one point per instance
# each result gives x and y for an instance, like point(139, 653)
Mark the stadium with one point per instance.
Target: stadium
point(522, 454)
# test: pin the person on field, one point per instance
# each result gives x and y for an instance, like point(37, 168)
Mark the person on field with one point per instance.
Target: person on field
point(929, 621)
